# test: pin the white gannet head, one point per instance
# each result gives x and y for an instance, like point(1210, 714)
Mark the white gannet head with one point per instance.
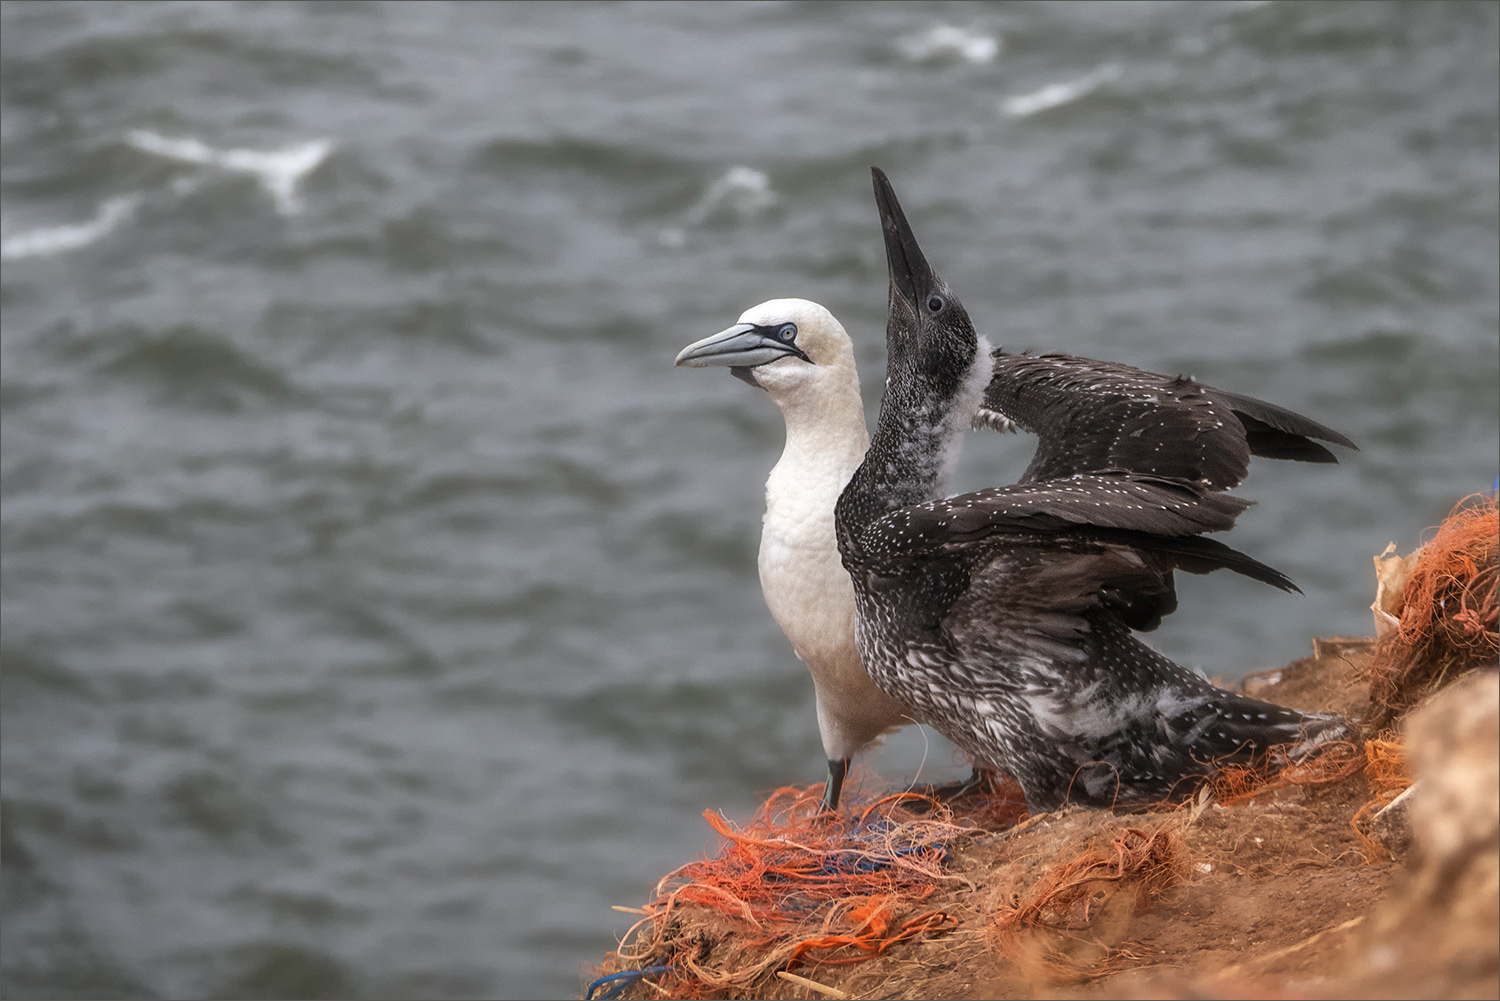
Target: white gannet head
point(792, 348)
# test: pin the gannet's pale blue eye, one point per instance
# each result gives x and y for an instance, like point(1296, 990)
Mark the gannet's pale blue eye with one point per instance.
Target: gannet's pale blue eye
point(935, 304)
point(787, 332)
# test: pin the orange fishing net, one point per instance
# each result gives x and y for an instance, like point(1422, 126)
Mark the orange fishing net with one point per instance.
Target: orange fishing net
point(1330, 762)
point(1449, 613)
point(1389, 777)
point(796, 886)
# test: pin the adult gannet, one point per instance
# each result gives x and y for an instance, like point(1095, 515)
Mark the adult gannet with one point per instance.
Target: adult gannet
point(798, 353)
point(1003, 618)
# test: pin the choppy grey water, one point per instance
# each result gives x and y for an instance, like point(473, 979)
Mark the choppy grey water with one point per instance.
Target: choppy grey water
point(379, 605)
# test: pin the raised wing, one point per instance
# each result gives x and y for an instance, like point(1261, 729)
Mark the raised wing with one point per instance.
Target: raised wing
point(1118, 535)
point(1091, 416)
point(1136, 502)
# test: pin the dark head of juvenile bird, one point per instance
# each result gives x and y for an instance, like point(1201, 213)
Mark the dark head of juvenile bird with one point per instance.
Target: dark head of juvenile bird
point(934, 378)
point(930, 341)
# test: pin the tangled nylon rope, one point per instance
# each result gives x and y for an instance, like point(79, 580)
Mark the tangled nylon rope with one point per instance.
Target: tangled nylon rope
point(1331, 762)
point(1388, 775)
point(1450, 612)
point(798, 887)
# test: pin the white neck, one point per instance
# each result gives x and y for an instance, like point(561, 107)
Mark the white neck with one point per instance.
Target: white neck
point(961, 415)
point(806, 587)
point(826, 438)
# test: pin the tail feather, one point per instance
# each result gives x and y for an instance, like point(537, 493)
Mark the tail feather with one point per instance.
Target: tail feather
point(1226, 729)
point(1236, 728)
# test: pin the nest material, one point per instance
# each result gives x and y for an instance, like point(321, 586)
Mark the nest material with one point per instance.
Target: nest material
point(1447, 624)
point(799, 888)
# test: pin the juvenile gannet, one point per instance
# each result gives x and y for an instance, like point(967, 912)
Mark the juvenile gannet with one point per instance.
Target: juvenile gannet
point(798, 353)
point(1003, 618)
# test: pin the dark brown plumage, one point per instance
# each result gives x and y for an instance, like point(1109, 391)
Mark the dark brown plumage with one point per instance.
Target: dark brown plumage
point(1003, 617)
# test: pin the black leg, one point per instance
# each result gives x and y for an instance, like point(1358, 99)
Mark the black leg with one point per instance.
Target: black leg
point(837, 769)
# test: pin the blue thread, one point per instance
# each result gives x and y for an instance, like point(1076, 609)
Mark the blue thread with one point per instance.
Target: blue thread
point(622, 983)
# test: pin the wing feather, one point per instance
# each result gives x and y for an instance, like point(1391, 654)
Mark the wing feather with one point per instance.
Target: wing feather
point(1134, 502)
point(1091, 415)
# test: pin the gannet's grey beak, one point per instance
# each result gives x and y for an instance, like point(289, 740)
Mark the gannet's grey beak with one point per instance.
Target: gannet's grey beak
point(743, 345)
point(911, 276)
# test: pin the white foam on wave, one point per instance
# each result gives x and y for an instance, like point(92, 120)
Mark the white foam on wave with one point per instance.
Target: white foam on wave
point(1057, 94)
point(742, 191)
point(278, 171)
point(945, 41)
point(47, 240)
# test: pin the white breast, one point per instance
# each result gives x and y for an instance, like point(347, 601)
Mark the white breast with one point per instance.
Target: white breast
point(806, 587)
point(805, 584)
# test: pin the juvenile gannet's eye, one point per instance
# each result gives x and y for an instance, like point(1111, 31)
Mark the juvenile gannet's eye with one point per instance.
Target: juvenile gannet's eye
point(787, 332)
point(935, 304)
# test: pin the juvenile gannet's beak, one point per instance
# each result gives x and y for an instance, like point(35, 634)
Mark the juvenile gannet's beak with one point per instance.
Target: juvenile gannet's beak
point(911, 276)
point(743, 345)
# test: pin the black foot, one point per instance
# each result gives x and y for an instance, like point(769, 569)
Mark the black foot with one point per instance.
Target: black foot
point(837, 769)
